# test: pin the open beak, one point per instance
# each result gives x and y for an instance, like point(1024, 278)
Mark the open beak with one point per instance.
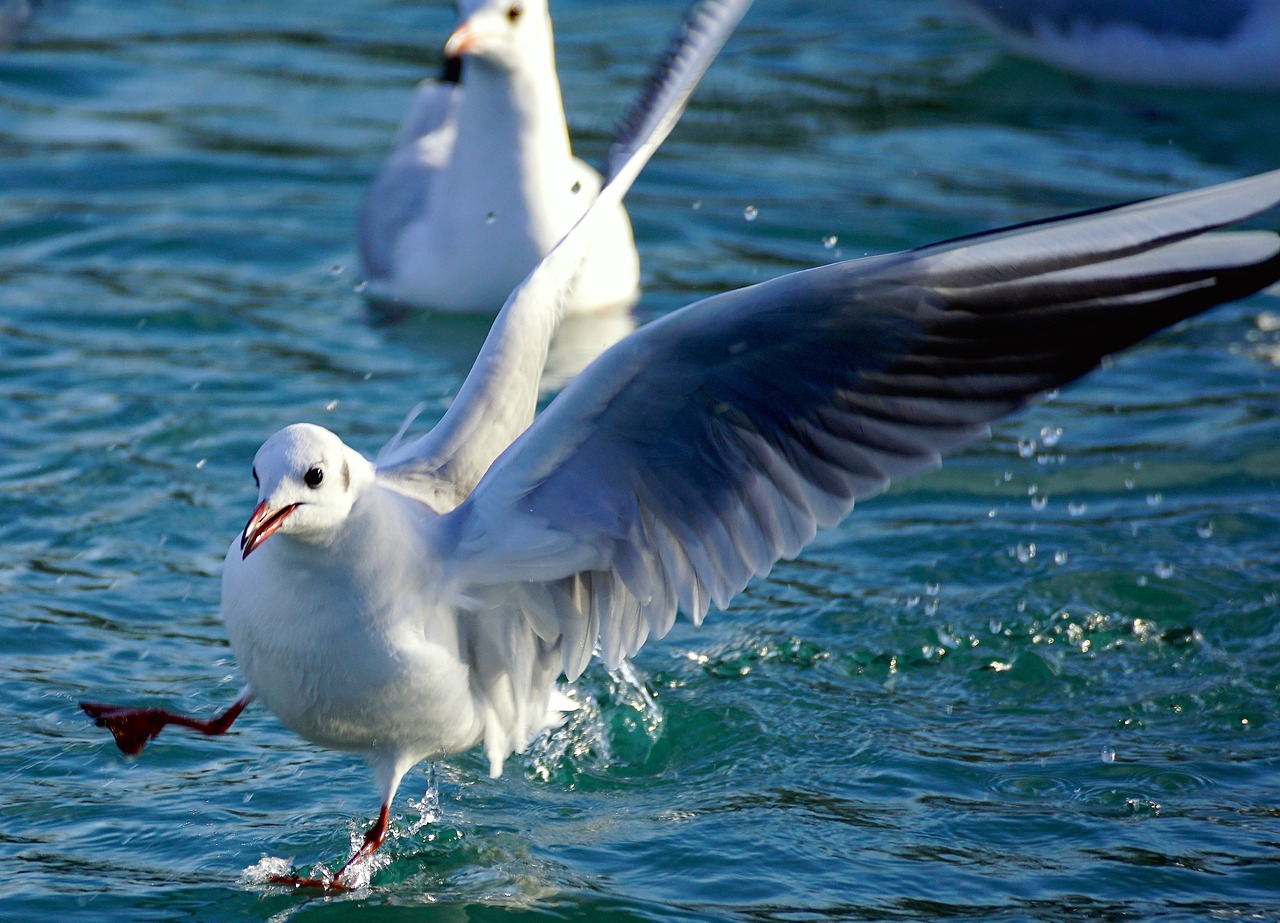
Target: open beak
point(461, 42)
point(262, 524)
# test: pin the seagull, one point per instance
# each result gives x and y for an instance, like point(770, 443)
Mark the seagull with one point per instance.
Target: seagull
point(426, 602)
point(433, 475)
point(481, 182)
point(1228, 44)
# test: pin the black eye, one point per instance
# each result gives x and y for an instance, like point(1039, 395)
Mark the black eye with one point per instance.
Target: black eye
point(256, 482)
point(515, 11)
point(313, 477)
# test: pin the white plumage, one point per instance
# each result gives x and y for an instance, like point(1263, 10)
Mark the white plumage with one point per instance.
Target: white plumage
point(481, 182)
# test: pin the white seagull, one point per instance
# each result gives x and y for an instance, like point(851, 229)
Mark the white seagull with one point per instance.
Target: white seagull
point(422, 604)
point(481, 182)
point(1226, 44)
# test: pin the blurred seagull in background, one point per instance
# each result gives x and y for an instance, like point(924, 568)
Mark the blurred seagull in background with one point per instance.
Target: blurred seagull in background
point(416, 606)
point(481, 182)
point(15, 15)
point(1226, 44)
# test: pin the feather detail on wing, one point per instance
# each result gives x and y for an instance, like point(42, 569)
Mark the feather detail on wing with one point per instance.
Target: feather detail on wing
point(701, 449)
point(706, 27)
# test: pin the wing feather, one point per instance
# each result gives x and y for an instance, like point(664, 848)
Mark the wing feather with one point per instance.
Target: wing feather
point(701, 449)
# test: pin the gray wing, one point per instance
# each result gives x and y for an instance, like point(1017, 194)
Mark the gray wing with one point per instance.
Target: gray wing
point(1183, 19)
point(401, 191)
point(706, 446)
point(701, 35)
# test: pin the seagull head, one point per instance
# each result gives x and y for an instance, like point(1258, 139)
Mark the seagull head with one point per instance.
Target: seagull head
point(500, 32)
point(308, 480)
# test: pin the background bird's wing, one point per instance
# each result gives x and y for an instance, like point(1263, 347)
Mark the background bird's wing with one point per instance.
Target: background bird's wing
point(704, 447)
point(499, 397)
point(401, 191)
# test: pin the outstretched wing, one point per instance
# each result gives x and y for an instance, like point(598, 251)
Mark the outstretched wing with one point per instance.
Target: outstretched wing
point(716, 440)
point(499, 397)
point(702, 33)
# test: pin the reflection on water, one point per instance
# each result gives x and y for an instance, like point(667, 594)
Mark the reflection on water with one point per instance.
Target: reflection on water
point(456, 339)
point(580, 339)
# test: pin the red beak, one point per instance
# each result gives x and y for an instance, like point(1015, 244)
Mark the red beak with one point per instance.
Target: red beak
point(461, 42)
point(262, 524)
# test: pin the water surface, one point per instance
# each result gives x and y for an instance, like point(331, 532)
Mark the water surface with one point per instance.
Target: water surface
point(1039, 684)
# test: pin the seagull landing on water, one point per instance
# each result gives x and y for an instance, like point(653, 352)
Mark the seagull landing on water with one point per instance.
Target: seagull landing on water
point(425, 603)
point(481, 182)
point(1227, 44)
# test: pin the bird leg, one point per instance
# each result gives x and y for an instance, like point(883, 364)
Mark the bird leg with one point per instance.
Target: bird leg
point(373, 838)
point(133, 728)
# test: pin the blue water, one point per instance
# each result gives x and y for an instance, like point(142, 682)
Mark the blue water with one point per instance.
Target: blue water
point(1039, 684)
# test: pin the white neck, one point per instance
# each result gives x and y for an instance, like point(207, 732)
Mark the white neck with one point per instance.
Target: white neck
point(516, 118)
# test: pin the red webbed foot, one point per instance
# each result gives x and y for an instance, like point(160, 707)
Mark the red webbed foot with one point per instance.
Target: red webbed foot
point(373, 839)
point(132, 728)
point(298, 881)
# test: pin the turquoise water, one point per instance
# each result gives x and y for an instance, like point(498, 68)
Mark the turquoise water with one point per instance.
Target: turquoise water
point(1040, 684)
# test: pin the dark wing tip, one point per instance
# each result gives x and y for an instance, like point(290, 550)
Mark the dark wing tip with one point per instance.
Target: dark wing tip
point(702, 32)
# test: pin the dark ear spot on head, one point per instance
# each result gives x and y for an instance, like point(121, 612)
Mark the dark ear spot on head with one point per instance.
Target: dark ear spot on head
point(346, 476)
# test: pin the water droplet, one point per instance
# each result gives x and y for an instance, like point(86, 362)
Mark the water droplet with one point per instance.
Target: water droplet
point(1025, 552)
point(1059, 557)
point(1039, 503)
point(751, 213)
point(201, 463)
point(359, 287)
point(1077, 507)
point(1164, 570)
point(1128, 483)
point(1007, 476)
point(490, 218)
point(576, 187)
point(335, 269)
point(697, 205)
point(1268, 321)
point(1155, 499)
point(1108, 755)
point(332, 405)
point(1026, 448)
point(830, 241)
point(1050, 435)
point(932, 589)
point(1205, 529)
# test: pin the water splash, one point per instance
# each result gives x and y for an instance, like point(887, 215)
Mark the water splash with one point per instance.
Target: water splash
point(428, 807)
point(616, 724)
point(260, 873)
